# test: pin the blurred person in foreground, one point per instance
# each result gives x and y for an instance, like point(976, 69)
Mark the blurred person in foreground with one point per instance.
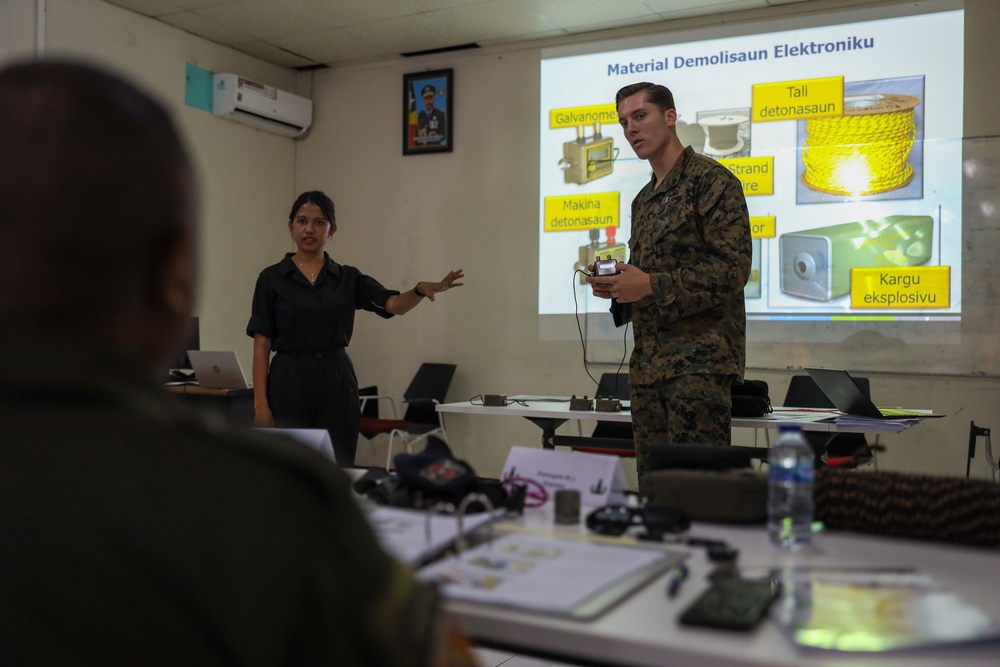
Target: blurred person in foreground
point(132, 530)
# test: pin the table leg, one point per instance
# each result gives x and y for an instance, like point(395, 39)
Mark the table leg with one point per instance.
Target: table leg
point(548, 426)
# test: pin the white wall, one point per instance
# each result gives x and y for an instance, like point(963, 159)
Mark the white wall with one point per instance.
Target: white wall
point(409, 218)
point(247, 176)
point(17, 29)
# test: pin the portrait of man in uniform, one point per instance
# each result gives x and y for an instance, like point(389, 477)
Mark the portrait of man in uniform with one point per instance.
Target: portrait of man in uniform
point(431, 122)
point(427, 112)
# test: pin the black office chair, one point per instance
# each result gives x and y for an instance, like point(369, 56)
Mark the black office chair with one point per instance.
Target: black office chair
point(369, 402)
point(976, 432)
point(428, 388)
point(841, 450)
point(612, 438)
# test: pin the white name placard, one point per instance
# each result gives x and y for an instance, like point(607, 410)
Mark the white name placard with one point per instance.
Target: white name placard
point(599, 478)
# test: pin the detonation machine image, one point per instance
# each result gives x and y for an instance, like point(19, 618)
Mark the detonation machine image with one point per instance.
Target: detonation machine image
point(603, 249)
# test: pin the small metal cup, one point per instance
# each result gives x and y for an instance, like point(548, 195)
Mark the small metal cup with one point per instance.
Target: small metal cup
point(567, 506)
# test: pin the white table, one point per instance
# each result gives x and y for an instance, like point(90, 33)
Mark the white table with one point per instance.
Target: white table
point(549, 413)
point(642, 630)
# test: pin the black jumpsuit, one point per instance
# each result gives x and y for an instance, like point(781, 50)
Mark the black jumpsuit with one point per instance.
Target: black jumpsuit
point(311, 381)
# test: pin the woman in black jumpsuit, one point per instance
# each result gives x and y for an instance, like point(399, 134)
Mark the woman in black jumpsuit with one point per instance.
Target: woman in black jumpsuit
point(303, 310)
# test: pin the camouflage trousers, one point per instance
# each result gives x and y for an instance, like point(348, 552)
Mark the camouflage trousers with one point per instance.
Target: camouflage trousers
point(691, 409)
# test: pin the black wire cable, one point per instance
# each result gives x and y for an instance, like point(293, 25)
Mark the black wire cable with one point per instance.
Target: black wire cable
point(583, 341)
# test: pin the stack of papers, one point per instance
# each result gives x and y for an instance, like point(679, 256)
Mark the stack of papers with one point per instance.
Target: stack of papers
point(875, 424)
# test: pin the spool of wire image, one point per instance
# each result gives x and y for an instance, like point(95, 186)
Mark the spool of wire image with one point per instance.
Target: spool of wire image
point(723, 133)
point(864, 151)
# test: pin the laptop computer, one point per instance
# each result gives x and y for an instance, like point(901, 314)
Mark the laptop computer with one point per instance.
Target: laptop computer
point(848, 397)
point(217, 370)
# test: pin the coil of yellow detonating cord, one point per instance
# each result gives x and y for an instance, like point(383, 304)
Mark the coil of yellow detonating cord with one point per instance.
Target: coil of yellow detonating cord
point(864, 151)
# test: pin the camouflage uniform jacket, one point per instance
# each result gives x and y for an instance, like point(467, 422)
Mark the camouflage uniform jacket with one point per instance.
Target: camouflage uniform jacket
point(692, 236)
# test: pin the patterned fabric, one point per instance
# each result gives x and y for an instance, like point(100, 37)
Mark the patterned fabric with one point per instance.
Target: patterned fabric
point(692, 235)
point(685, 409)
point(949, 509)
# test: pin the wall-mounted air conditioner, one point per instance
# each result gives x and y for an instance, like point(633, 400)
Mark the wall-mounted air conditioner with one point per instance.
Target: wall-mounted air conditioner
point(263, 107)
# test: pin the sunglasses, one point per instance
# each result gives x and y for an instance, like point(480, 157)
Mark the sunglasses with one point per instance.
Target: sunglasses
point(657, 519)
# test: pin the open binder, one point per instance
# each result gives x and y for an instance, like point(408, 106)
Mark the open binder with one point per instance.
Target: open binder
point(573, 578)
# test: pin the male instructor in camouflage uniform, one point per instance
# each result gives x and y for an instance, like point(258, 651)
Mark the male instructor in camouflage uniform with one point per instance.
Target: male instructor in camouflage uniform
point(682, 287)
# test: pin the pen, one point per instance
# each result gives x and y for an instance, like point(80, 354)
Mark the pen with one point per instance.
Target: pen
point(677, 578)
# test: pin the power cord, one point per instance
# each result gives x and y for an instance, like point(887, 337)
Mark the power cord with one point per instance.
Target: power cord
point(583, 341)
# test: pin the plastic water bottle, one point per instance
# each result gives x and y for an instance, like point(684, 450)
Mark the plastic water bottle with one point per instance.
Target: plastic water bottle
point(790, 489)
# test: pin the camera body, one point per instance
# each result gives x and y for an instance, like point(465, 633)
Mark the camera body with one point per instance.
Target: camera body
point(605, 267)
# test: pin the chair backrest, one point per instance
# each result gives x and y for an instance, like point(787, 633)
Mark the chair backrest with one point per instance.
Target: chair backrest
point(614, 385)
point(803, 392)
point(370, 409)
point(428, 387)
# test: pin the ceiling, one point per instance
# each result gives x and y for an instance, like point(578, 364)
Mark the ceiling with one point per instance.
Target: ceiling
point(316, 33)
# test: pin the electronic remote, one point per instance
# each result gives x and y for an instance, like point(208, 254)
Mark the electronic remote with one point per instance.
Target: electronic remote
point(731, 603)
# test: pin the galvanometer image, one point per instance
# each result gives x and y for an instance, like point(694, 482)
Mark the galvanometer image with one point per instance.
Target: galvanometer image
point(587, 157)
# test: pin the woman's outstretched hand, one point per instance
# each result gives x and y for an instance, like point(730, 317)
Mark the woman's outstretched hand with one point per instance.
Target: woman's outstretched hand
point(430, 290)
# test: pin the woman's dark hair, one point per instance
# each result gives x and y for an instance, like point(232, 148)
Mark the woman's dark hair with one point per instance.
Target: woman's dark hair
point(315, 197)
point(655, 94)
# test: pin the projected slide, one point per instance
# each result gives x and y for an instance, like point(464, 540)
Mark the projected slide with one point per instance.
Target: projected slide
point(846, 138)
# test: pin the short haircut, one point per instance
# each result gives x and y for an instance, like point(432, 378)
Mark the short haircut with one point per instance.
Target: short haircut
point(655, 94)
point(94, 185)
point(315, 197)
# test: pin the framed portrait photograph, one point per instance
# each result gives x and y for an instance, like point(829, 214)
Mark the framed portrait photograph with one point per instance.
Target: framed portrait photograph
point(428, 121)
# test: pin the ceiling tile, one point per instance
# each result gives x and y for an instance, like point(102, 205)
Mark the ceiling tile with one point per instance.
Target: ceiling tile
point(492, 20)
point(350, 12)
point(589, 12)
point(703, 8)
point(509, 39)
point(332, 46)
point(153, 8)
point(621, 23)
point(272, 54)
point(405, 34)
point(336, 32)
point(675, 8)
point(266, 19)
point(210, 30)
point(433, 5)
point(200, 4)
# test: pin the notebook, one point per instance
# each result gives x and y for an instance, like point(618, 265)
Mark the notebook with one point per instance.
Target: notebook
point(217, 370)
point(847, 396)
